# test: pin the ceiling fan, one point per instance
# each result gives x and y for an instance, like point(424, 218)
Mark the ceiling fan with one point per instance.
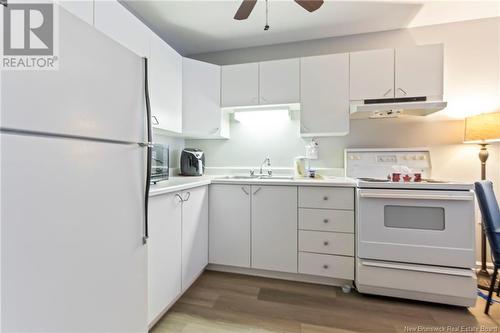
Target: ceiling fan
point(247, 6)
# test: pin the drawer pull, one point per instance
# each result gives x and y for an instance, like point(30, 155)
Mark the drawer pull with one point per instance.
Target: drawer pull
point(325, 198)
point(325, 266)
point(325, 221)
point(325, 243)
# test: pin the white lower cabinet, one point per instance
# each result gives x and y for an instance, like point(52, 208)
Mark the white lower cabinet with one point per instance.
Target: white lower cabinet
point(164, 253)
point(177, 246)
point(194, 234)
point(274, 228)
point(254, 226)
point(229, 233)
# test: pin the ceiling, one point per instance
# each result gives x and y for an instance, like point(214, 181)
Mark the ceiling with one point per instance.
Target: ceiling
point(200, 26)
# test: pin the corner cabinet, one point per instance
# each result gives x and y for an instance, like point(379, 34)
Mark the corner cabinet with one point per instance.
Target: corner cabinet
point(324, 95)
point(165, 81)
point(254, 226)
point(202, 116)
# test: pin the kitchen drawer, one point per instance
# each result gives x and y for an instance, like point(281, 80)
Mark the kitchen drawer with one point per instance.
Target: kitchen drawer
point(326, 220)
point(417, 281)
point(326, 265)
point(326, 242)
point(326, 197)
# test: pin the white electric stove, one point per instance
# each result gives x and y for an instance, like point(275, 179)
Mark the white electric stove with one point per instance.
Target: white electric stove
point(415, 239)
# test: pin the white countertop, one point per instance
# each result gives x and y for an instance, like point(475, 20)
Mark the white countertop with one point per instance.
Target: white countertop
point(175, 184)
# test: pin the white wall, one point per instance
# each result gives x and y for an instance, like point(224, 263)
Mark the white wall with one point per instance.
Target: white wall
point(471, 77)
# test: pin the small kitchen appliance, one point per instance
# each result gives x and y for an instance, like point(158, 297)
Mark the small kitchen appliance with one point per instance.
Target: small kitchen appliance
point(415, 236)
point(159, 163)
point(192, 162)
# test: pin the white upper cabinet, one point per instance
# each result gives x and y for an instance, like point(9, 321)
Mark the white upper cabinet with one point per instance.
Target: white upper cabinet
point(114, 20)
point(229, 233)
point(240, 85)
point(279, 81)
point(165, 83)
point(202, 116)
point(324, 95)
point(194, 234)
point(372, 74)
point(419, 71)
point(274, 228)
point(164, 253)
point(82, 9)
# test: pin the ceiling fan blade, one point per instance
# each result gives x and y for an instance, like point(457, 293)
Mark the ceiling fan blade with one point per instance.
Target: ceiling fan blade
point(310, 5)
point(245, 9)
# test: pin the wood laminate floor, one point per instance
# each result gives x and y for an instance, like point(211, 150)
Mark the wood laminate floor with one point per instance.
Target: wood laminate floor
point(232, 303)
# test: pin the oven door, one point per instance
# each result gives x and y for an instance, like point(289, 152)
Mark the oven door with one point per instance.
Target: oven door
point(416, 226)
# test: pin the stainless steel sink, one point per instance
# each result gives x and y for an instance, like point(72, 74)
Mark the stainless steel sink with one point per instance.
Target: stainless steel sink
point(265, 177)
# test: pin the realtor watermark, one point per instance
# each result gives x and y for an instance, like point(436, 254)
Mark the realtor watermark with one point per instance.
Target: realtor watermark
point(30, 39)
point(451, 328)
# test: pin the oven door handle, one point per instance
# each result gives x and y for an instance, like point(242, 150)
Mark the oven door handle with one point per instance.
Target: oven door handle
point(434, 270)
point(446, 197)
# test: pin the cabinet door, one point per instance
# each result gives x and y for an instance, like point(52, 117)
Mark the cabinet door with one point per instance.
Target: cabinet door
point(240, 85)
point(83, 9)
point(114, 20)
point(165, 79)
point(164, 253)
point(194, 234)
point(279, 81)
point(372, 74)
point(274, 228)
point(324, 89)
point(202, 115)
point(229, 242)
point(419, 71)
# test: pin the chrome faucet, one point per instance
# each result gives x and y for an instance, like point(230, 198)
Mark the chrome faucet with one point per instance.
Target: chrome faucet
point(267, 162)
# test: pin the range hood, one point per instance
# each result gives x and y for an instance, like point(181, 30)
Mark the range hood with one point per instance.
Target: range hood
point(395, 107)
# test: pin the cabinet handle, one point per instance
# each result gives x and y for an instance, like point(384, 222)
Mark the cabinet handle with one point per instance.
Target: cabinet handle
point(325, 198)
point(263, 99)
point(256, 191)
point(325, 243)
point(177, 195)
point(403, 91)
point(245, 190)
point(325, 266)
point(304, 128)
point(215, 131)
point(387, 92)
point(187, 197)
point(325, 221)
point(155, 120)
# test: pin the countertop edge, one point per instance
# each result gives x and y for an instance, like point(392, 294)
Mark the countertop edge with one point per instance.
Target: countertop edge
point(279, 182)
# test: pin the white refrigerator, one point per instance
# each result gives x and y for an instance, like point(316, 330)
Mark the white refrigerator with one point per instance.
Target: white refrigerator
point(74, 162)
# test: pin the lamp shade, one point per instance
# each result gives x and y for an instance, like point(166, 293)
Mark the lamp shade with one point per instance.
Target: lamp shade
point(482, 128)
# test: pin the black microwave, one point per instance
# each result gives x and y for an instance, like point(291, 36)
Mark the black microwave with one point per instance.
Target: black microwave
point(159, 162)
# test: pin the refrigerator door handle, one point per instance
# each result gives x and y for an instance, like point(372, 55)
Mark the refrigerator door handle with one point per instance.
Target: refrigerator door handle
point(148, 154)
